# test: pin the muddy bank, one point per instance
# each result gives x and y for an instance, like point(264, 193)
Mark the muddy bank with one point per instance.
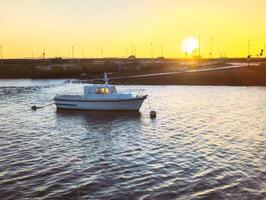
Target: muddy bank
point(243, 76)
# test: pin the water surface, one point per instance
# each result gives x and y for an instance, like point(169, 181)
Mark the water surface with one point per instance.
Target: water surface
point(206, 143)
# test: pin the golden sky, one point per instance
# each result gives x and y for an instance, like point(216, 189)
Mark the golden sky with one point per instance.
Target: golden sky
point(29, 26)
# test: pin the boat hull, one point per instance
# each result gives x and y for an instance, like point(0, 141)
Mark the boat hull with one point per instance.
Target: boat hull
point(123, 104)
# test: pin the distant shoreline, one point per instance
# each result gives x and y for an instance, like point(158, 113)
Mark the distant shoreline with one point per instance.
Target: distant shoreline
point(141, 72)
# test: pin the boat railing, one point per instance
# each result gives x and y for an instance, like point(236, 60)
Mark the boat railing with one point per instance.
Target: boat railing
point(135, 92)
point(70, 96)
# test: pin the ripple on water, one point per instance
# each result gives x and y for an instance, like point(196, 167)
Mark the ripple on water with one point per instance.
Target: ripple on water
point(206, 143)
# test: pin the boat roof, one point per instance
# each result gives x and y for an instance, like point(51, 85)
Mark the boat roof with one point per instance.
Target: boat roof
point(98, 86)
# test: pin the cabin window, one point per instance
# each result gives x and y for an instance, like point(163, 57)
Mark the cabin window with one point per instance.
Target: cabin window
point(102, 91)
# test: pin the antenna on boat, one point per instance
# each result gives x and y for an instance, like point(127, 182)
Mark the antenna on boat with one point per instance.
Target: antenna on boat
point(105, 79)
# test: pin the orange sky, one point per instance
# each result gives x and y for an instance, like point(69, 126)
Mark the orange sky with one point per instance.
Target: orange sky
point(29, 26)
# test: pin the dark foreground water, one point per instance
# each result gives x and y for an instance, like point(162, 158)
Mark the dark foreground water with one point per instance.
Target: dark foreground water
point(206, 143)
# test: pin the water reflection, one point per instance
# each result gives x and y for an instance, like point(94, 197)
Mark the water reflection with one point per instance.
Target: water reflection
point(102, 130)
point(98, 117)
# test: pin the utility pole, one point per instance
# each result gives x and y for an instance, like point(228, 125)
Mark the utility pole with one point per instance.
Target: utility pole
point(249, 56)
point(72, 52)
point(264, 51)
point(1, 51)
point(151, 50)
point(199, 47)
point(186, 51)
point(178, 48)
point(211, 47)
point(126, 48)
point(43, 54)
point(101, 51)
point(132, 49)
point(248, 47)
point(135, 51)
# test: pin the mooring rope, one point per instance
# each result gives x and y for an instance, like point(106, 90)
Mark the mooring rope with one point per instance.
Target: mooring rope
point(39, 107)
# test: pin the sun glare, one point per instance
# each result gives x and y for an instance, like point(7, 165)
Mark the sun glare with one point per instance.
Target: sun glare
point(190, 45)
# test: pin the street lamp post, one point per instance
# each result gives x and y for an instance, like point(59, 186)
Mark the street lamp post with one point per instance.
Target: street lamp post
point(264, 51)
point(199, 47)
point(151, 50)
point(101, 52)
point(161, 47)
point(72, 52)
point(211, 47)
point(126, 48)
point(249, 56)
point(1, 52)
point(178, 48)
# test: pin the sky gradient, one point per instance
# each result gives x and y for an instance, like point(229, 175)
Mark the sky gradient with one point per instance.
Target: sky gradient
point(29, 26)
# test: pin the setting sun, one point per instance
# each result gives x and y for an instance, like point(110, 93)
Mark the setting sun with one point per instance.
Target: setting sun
point(190, 45)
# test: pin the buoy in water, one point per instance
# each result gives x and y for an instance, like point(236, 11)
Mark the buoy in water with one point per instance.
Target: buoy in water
point(152, 114)
point(34, 107)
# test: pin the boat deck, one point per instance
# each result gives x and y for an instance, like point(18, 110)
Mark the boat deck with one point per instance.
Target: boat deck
point(98, 98)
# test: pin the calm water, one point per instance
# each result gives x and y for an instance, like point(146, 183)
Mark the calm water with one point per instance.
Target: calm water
point(206, 143)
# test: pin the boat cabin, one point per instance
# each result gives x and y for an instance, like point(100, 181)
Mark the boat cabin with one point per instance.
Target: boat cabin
point(105, 91)
point(99, 89)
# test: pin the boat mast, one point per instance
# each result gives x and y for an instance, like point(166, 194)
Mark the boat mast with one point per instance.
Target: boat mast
point(105, 79)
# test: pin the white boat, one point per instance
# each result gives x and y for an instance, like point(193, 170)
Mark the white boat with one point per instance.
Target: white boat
point(102, 97)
